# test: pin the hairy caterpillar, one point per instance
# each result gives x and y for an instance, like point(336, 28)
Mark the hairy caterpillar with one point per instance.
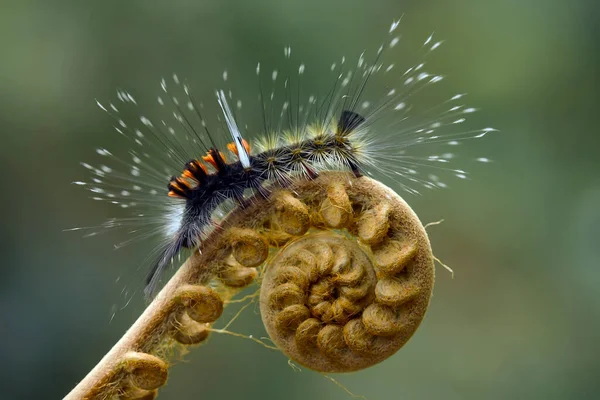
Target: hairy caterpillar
point(180, 174)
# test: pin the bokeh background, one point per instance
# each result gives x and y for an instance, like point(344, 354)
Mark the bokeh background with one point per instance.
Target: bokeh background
point(521, 319)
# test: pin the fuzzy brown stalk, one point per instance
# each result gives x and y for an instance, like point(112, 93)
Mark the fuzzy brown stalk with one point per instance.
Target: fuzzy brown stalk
point(348, 283)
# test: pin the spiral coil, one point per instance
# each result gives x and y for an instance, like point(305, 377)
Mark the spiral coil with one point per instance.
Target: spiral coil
point(346, 274)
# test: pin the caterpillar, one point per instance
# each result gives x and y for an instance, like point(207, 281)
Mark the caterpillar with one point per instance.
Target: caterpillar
point(182, 172)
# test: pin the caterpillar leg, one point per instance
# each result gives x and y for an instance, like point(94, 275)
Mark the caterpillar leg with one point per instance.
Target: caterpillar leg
point(355, 170)
point(310, 172)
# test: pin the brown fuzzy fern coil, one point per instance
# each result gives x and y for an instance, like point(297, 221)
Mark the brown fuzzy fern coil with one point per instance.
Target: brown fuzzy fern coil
point(346, 274)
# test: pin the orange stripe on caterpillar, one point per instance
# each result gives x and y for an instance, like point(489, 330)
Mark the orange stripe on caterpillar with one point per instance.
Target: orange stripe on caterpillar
point(233, 148)
point(179, 187)
point(195, 170)
point(215, 158)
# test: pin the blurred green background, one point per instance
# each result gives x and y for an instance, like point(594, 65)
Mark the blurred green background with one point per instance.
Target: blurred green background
point(520, 319)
